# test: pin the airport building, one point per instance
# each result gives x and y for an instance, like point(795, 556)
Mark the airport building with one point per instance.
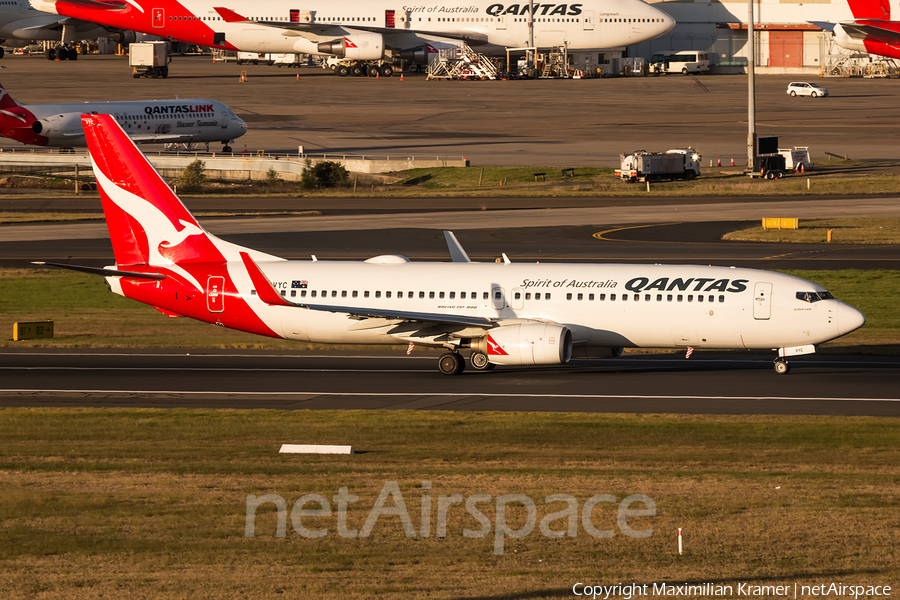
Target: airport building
point(788, 40)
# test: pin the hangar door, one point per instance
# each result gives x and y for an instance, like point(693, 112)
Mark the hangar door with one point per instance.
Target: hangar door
point(785, 48)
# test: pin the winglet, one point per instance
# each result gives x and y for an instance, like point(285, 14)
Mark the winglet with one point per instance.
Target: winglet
point(264, 288)
point(229, 16)
point(457, 253)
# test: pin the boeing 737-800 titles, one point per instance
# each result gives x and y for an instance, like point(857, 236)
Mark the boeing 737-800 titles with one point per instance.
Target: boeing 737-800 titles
point(145, 121)
point(364, 30)
point(501, 313)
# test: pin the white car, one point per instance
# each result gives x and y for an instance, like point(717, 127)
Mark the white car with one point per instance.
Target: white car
point(802, 88)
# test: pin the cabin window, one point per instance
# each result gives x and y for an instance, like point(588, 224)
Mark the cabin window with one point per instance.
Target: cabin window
point(625, 297)
point(690, 297)
point(497, 295)
point(700, 298)
point(546, 296)
point(659, 297)
point(474, 295)
point(387, 294)
point(462, 295)
point(680, 297)
point(637, 297)
point(344, 294)
point(421, 294)
point(568, 296)
point(441, 295)
point(452, 295)
point(537, 296)
point(314, 293)
point(517, 295)
point(528, 295)
point(355, 293)
point(366, 294)
point(669, 298)
point(486, 296)
point(303, 293)
point(334, 293)
point(612, 297)
point(293, 293)
point(378, 293)
point(646, 297)
point(721, 298)
point(431, 295)
point(581, 296)
point(590, 297)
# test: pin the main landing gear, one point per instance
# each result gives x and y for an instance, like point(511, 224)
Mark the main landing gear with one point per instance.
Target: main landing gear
point(782, 367)
point(452, 363)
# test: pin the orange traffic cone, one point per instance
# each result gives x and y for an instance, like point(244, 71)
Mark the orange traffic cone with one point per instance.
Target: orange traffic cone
point(732, 162)
point(401, 76)
point(719, 163)
point(298, 76)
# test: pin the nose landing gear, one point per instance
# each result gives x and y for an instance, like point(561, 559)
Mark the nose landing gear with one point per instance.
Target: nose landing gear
point(782, 367)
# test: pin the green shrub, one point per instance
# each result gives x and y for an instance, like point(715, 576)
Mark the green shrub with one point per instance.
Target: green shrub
point(192, 178)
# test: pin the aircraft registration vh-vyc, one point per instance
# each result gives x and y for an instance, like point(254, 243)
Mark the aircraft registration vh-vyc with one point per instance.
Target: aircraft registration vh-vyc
point(502, 313)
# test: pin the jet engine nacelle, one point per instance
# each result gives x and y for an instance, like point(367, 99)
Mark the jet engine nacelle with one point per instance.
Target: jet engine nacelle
point(417, 55)
point(61, 130)
point(124, 36)
point(357, 46)
point(527, 344)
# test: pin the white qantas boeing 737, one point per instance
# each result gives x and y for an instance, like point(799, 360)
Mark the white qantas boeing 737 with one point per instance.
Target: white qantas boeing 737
point(145, 121)
point(502, 313)
point(367, 31)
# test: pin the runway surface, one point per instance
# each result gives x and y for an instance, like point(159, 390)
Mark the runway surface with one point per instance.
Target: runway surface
point(707, 383)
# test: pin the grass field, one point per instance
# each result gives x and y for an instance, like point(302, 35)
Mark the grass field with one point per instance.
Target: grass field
point(118, 503)
point(833, 178)
point(86, 314)
point(844, 231)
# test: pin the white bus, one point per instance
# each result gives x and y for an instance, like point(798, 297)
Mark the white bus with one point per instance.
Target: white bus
point(685, 62)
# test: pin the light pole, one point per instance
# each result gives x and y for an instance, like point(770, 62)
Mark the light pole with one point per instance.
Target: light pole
point(751, 91)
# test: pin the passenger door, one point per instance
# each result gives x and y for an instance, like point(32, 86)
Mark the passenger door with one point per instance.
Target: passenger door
point(215, 296)
point(762, 301)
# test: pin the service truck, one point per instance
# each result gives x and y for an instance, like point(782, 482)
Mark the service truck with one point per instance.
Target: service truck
point(679, 163)
point(149, 59)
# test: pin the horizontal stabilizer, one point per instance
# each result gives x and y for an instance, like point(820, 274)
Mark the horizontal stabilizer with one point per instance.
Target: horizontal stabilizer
point(264, 288)
point(104, 272)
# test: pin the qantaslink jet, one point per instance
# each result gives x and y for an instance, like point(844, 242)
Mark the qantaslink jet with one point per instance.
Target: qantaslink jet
point(499, 313)
point(367, 31)
point(145, 121)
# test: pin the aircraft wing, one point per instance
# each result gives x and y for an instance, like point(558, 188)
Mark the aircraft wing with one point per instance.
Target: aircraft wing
point(329, 30)
point(41, 5)
point(869, 31)
point(161, 138)
point(268, 294)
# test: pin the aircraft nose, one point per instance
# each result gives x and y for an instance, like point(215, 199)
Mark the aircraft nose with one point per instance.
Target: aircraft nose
point(666, 22)
point(849, 319)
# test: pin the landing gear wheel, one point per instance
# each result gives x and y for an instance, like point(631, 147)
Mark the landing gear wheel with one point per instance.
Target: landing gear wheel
point(372, 71)
point(451, 363)
point(227, 149)
point(62, 54)
point(782, 367)
point(51, 54)
point(479, 362)
point(357, 70)
point(165, 72)
point(73, 54)
point(387, 70)
point(342, 70)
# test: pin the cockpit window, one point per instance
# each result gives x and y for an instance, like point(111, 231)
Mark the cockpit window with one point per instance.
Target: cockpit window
point(814, 296)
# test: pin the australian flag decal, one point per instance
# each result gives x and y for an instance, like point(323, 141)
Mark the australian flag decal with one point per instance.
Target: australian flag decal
point(302, 284)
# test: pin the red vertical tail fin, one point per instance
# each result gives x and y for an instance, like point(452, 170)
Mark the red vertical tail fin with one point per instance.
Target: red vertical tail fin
point(6, 101)
point(870, 9)
point(147, 223)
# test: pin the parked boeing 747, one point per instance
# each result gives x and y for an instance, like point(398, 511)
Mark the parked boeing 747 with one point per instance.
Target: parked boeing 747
point(145, 121)
point(363, 30)
point(500, 313)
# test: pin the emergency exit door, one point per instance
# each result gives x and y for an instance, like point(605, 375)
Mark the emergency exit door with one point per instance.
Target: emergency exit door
point(158, 17)
point(762, 301)
point(215, 296)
